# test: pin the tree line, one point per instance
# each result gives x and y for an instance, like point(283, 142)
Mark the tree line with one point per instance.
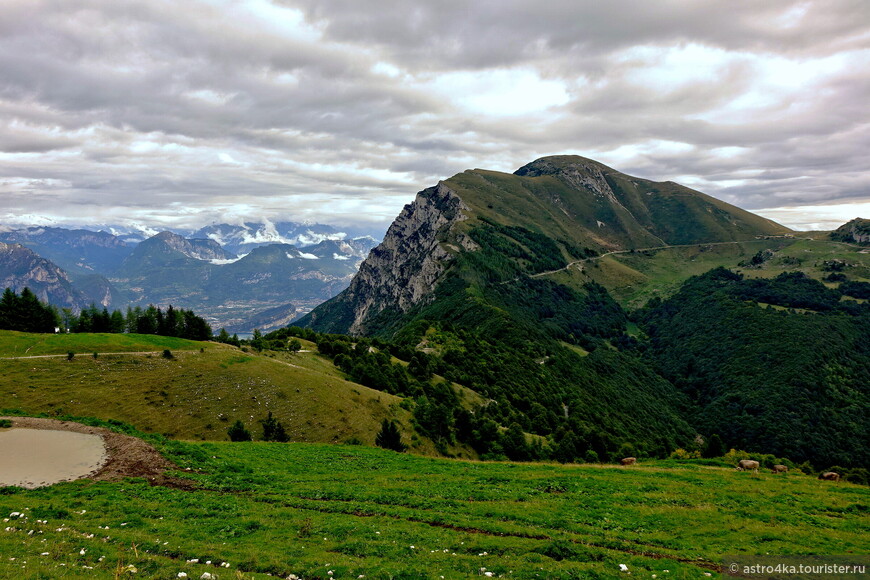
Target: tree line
point(498, 427)
point(26, 313)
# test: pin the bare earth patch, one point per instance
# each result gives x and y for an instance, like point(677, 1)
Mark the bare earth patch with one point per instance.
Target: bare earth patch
point(127, 456)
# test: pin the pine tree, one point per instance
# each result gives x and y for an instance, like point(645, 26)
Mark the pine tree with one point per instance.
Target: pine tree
point(237, 432)
point(389, 437)
point(273, 430)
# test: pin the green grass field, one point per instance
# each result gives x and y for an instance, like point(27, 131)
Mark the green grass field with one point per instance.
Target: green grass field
point(333, 511)
point(23, 344)
point(197, 394)
point(634, 278)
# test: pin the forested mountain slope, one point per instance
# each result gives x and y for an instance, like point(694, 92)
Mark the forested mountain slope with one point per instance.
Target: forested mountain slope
point(484, 273)
point(456, 271)
point(776, 366)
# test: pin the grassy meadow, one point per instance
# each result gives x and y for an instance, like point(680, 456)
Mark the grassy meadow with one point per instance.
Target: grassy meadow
point(336, 511)
point(26, 344)
point(634, 277)
point(197, 394)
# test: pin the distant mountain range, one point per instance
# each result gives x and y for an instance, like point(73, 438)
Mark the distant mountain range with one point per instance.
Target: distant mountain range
point(238, 276)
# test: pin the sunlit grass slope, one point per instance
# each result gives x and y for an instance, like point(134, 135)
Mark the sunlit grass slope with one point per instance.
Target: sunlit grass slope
point(17, 344)
point(635, 277)
point(321, 511)
point(198, 393)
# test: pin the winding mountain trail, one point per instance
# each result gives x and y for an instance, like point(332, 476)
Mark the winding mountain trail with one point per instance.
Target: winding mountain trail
point(666, 247)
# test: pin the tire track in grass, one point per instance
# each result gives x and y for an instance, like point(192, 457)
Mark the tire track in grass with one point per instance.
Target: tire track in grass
point(632, 548)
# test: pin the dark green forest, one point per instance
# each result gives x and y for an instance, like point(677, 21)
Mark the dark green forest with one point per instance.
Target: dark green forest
point(772, 366)
point(547, 358)
point(25, 313)
point(776, 366)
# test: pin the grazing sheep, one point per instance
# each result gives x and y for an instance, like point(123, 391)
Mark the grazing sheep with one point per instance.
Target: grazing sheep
point(830, 476)
point(779, 469)
point(628, 460)
point(746, 464)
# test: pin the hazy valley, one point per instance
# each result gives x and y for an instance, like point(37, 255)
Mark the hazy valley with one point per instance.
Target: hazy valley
point(257, 275)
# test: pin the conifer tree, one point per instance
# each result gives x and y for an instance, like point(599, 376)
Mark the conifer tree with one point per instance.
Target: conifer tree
point(389, 437)
point(237, 432)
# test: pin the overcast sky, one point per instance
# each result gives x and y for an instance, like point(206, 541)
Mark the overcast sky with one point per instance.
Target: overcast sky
point(187, 113)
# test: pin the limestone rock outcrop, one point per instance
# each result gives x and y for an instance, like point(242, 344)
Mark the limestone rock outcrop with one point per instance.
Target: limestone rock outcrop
point(402, 271)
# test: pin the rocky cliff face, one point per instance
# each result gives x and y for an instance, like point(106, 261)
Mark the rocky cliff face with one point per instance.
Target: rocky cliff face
point(856, 231)
point(78, 252)
point(550, 212)
point(21, 268)
point(200, 249)
point(580, 173)
point(402, 271)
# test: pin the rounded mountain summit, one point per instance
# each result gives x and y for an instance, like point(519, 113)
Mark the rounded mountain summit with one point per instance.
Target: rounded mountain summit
point(481, 227)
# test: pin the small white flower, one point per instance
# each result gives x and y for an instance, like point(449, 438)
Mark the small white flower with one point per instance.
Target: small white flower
point(623, 568)
point(488, 574)
point(181, 575)
point(206, 576)
point(82, 552)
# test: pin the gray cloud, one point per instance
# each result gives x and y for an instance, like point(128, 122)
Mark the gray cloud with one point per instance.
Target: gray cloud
point(456, 33)
point(342, 110)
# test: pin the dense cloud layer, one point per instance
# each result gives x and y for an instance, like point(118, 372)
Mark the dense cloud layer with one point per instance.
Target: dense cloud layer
point(181, 113)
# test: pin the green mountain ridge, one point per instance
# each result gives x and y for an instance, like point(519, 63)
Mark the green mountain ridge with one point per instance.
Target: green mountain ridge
point(497, 274)
point(857, 231)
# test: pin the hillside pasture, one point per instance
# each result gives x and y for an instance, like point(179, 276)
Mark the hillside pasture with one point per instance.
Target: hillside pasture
point(197, 394)
point(26, 344)
point(194, 395)
point(308, 510)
